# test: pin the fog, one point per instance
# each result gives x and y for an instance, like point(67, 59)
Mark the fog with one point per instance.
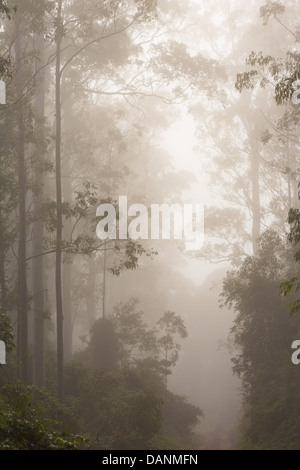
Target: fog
point(149, 225)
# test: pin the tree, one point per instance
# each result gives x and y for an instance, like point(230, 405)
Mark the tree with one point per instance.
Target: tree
point(19, 116)
point(113, 24)
point(5, 63)
point(59, 221)
point(23, 425)
point(22, 184)
point(170, 325)
point(263, 337)
point(281, 73)
point(8, 202)
point(292, 286)
point(37, 268)
point(104, 345)
point(249, 170)
point(141, 12)
point(136, 339)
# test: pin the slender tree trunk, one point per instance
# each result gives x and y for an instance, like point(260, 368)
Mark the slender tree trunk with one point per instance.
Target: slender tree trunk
point(256, 209)
point(67, 276)
point(289, 176)
point(59, 227)
point(293, 164)
point(104, 281)
point(37, 244)
point(91, 298)
point(2, 268)
point(2, 242)
point(68, 312)
point(254, 180)
point(67, 267)
point(22, 274)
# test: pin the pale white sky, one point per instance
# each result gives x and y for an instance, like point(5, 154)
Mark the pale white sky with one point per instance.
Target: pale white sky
point(180, 141)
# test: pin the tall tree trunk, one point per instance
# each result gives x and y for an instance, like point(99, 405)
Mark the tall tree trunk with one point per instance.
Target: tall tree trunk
point(68, 311)
point(22, 274)
point(104, 281)
point(293, 163)
point(256, 209)
point(67, 267)
point(289, 175)
point(254, 165)
point(37, 235)
point(2, 268)
point(59, 227)
point(91, 297)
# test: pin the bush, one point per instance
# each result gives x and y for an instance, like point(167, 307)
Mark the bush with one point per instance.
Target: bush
point(23, 426)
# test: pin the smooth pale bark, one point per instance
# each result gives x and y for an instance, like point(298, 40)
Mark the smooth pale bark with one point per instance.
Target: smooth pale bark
point(293, 173)
point(22, 336)
point(67, 272)
point(38, 285)
point(91, 297)
point(104, 281)
point(2, 265)
point(256, 209)
point(68, 311)
point(254, 166)
point(289, 176)
point(59, 225)
point(67, 266)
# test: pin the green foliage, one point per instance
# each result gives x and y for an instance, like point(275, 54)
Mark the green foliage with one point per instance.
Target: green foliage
point(128, 409)
point(136, 339)
point(292, 286)
point(23, 425)
point(121, 399)
point(180, 416)
point(5, 10)
point(288, 287)
point(5, 65)
point(6, 331)
point(124, 339)
point(146, 10)
point(83, 238)
point(266, 69)
point(271, 9)
point(104, 345)
point(263, 334)
point(127, 256)
point(116, 408)
point(175, 65)
point(170, 326)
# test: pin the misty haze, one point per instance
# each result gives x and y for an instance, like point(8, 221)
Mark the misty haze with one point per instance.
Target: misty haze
point(149, 227)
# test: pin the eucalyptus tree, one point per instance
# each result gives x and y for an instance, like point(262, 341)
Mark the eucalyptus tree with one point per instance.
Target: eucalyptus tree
point(248, 175)
point(106, 47)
